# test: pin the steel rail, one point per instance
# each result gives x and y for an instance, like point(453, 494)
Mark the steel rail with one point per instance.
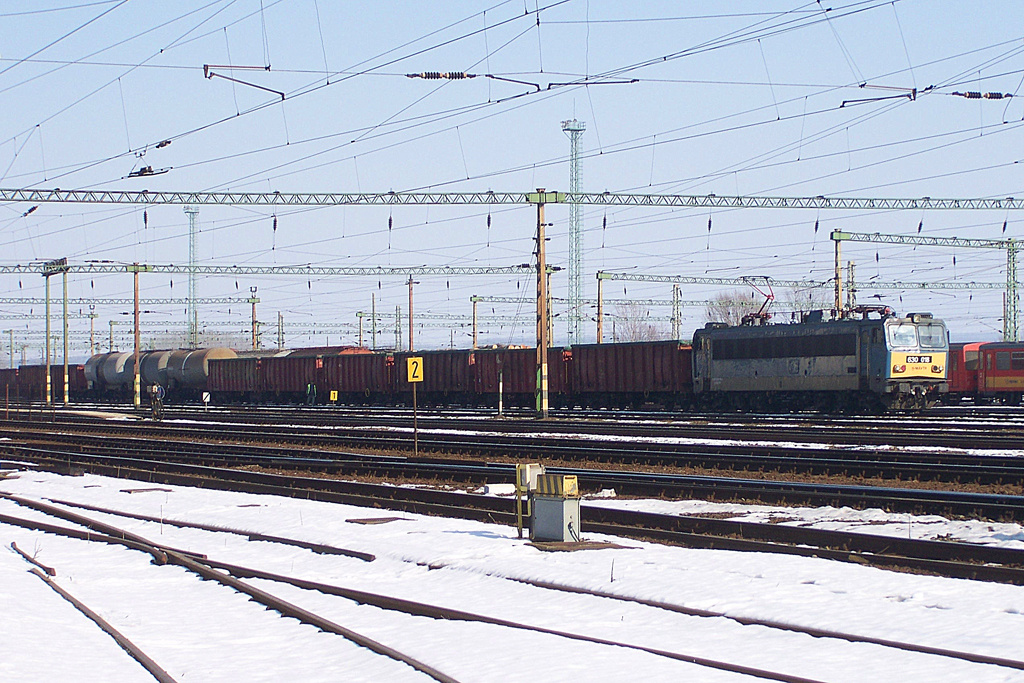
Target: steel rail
point(230, 574)
point(385, 602)
point(883, 464)
point(134, 651)
point(421, 609)
point(945, 558)
point(189, 562)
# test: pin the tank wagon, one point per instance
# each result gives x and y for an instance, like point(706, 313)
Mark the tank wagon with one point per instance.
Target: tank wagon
point(182, 372)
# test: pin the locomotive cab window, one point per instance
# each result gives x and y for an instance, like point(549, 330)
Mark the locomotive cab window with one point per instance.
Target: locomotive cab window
point(902, 335)
point(932, 336)
point(971, 360)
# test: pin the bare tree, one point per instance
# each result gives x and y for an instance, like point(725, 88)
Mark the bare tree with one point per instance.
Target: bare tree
point(179, 340)
point(632, 323)
point(808, 299)
point(730, 307)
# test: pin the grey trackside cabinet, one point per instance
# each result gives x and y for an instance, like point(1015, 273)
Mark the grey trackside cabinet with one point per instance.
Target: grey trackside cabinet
point(556, 509)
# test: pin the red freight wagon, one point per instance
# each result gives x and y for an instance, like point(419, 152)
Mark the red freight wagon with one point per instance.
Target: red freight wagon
point(76, 379)
point(234, 378)
point(447, 376)
point(8, 377)
point(9, 383)
point(358, 376)
point(280, 376)
point(634, 373)
point(519, 375)
point(31, 382)
point(293, 374)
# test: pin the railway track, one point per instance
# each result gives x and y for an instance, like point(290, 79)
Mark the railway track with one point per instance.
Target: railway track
point(967, 428)
point(1005, 471)
point(383, 601)
point(947, 559)
point(460, 473)
point(940, 430)
point(286, 592)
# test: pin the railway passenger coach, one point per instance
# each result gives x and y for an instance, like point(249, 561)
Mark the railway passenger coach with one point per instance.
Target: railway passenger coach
point(859, 364)
point(987, 372)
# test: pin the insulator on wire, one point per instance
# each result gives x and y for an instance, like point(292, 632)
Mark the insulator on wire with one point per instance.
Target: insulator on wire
point(975, 95)
point(1004, 227)
point(815, 226)
point(919, 226)
point(145, 220)
point(488, 220)
point(709, 223)
point(275, 223)
point(390, 222)
point(441, 75)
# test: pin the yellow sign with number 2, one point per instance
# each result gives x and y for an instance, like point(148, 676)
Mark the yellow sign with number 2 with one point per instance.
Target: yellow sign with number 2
point(414, 365)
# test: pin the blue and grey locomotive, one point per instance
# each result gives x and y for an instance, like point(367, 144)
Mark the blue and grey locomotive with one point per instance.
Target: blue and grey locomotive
point(855, 364)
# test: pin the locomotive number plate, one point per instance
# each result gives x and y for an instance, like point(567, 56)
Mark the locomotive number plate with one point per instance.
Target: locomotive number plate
point(919, 359)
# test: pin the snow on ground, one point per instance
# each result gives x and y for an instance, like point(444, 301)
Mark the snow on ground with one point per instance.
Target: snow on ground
point(198, 630)
point(870, 521)
point(693, 441)
point(668, 440)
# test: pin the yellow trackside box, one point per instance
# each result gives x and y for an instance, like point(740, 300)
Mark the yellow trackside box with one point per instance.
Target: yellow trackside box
point(558, 486)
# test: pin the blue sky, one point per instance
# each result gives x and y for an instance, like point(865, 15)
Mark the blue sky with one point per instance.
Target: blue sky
point(751, 98)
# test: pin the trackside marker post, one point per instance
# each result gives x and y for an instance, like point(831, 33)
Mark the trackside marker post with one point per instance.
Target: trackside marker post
point(414, 371)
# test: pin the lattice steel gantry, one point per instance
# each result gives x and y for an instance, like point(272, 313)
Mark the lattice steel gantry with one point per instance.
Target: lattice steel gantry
point(1011, 309)
point(574, 129)
point(193, 313)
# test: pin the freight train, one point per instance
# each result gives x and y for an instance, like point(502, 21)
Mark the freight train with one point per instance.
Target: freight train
point(855, 364)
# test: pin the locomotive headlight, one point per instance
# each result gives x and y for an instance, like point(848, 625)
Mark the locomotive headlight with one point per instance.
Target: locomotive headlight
point(899, 368)
point(938, 368)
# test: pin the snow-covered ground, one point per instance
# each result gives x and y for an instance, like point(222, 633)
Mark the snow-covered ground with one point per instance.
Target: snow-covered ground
point(201, 631)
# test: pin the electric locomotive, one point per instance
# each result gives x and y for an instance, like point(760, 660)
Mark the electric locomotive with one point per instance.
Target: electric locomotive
point(860, 364)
